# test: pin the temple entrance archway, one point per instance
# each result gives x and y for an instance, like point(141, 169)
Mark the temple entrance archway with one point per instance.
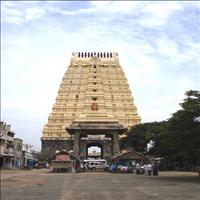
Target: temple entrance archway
point(109, 144)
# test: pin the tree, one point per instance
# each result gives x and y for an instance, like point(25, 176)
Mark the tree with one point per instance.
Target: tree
point(177, 139)
point(184, 130)
point(43, 156)
point(139, 136)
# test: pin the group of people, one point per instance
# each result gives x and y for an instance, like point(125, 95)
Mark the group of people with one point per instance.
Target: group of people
point(114, 168)
point(147, 169)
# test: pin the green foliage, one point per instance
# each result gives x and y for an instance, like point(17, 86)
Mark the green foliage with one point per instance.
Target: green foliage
point(43, 156)
point(138, 136)
point(184, 129)
point(177, 139)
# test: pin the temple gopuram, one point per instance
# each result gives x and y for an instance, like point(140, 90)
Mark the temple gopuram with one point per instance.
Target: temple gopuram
point(93, 107)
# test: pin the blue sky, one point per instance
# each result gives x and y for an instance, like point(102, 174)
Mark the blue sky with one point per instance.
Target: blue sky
point(158, 45)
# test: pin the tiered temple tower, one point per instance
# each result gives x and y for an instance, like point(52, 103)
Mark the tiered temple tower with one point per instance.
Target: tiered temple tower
point(94, 89)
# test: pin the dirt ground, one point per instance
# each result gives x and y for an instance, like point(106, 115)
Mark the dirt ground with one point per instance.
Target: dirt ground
point(42, 185)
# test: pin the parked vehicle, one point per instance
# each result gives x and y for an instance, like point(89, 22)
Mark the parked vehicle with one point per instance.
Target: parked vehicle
point(95, 164)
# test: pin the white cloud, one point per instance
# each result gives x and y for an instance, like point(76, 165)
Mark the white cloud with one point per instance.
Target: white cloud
point(34, 13)
point(162, 10)
point(156, 14)
point(71, 12)
point(151, 14)
point(11, 15)
point(115, 6)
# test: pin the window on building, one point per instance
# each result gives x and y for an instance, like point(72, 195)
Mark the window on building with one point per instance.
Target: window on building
point(94, 98)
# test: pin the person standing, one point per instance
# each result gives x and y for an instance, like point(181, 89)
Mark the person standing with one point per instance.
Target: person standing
point(145, 169)
point(149, 169)
point(138, 166)
point(155, 169)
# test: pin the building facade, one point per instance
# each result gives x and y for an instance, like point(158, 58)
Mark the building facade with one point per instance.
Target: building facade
point(13, 153)
point(18, 161)
point(6, 146)
point(94, 92)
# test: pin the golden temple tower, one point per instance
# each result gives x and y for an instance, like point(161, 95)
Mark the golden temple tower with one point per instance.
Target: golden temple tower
point(94, 87)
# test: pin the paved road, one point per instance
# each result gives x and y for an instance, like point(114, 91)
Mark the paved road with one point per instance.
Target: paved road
point(42, 185)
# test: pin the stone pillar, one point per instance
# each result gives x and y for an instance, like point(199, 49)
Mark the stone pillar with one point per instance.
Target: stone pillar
point(76, 143)
point(83, 147)
point(115, 143)
point(107, 149)
point(3, 162)
point(104, 150)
